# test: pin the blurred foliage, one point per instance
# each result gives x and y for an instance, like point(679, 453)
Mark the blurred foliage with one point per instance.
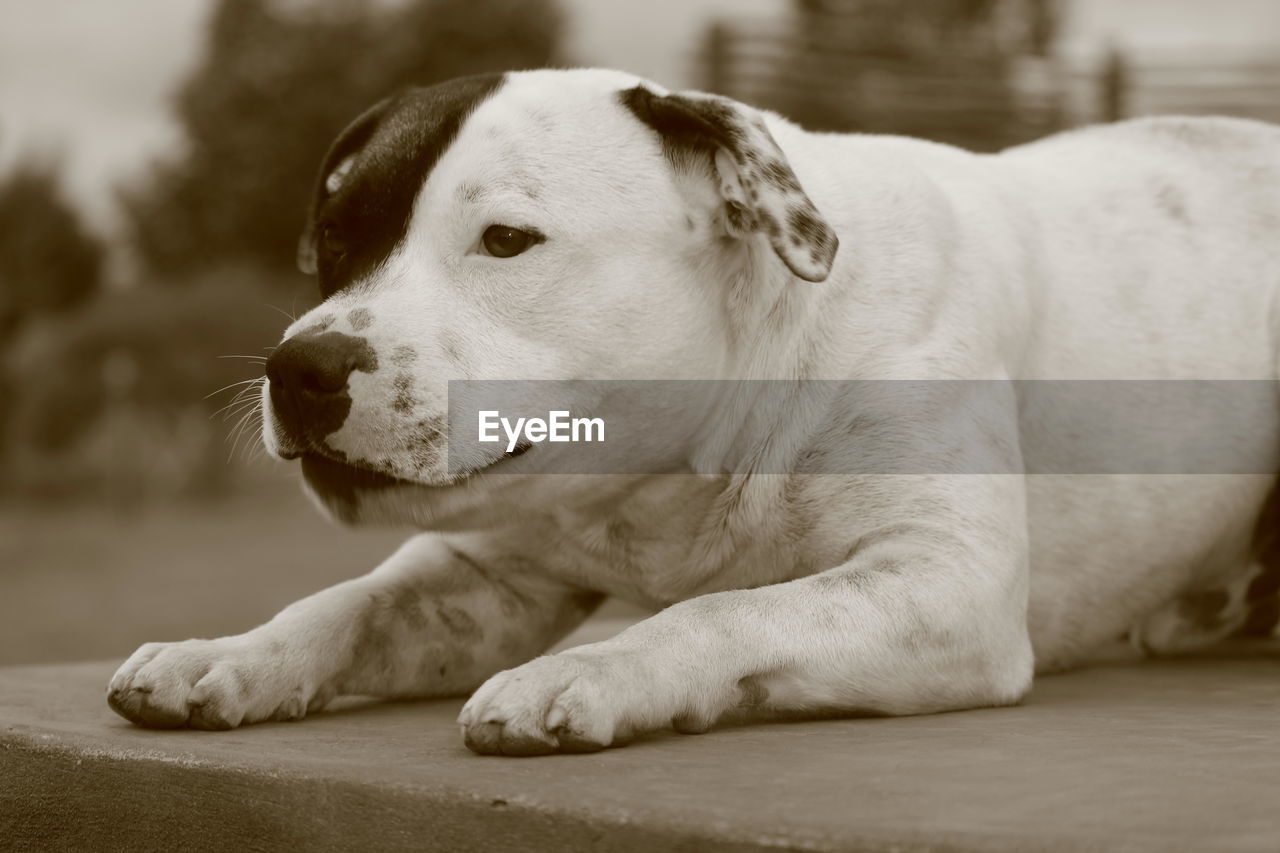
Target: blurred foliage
point(278, 81)
point(127, 387)
point(106, 396)
point(49, 262)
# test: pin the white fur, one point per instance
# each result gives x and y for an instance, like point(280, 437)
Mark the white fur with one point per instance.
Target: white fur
point(905, 593)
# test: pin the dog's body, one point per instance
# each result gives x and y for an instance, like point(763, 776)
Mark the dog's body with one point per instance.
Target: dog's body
point(666, 236)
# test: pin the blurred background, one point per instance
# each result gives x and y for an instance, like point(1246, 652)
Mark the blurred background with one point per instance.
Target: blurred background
point(156, 159)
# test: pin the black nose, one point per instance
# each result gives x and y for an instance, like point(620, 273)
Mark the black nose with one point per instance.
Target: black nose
point(308, 375)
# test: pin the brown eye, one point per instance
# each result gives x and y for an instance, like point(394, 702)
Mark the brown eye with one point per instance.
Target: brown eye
point(503, 241)
point(331, 239)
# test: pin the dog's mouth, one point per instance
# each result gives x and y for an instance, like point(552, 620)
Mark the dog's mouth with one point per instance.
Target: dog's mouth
point(331, 475)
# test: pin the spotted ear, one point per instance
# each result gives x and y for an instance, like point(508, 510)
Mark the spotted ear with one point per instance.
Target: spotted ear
point(761, 193)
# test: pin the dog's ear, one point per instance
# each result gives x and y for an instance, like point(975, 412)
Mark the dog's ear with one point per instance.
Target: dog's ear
point(761, 193)
point(337, 166)
point(331, 183)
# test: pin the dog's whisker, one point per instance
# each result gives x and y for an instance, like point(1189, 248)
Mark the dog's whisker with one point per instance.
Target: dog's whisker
point(238, 431)
point(254, 449)
point(233, 385)
point(246, 415)
point(252, 389)
point(243, 407)
point(234, 432)
point(245, 396)
point(291, 317)
point(233, 405)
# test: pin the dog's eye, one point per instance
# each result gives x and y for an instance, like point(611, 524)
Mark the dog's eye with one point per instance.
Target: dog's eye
point(503, 241)
point(331, 239)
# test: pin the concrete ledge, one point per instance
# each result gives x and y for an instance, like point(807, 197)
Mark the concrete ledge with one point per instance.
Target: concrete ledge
point(1161, 756)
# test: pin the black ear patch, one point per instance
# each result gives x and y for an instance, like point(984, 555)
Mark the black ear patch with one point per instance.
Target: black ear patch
point(683, 122)
point(343, 150)
point(760, 190)
point(364, 195)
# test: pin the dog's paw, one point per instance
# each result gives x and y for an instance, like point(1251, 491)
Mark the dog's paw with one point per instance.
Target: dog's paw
point(206, 684)
point(569, 702)
point(584, 700)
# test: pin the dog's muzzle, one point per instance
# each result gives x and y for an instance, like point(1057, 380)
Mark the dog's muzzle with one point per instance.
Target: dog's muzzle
point(308, 377)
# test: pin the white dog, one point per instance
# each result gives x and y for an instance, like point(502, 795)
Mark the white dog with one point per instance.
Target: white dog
point(589, 225)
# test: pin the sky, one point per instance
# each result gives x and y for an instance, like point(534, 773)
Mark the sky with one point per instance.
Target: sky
point(91, 79)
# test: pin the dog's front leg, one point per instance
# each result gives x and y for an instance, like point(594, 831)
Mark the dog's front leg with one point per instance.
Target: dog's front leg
point(435, 619)
point(924, 616)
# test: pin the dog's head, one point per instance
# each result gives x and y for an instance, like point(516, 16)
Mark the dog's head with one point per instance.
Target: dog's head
point(539, 225)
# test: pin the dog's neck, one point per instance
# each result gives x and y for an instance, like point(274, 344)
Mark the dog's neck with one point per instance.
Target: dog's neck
point(775, 343)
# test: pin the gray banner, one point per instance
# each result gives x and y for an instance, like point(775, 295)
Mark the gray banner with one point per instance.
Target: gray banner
point(869, 427)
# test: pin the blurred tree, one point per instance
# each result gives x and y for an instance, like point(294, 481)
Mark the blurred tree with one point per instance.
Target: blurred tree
point(277, 82)
point(49, 262)
point(116, 387)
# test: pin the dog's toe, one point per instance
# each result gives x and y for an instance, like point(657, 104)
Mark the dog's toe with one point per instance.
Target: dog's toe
point(209, 716)
point(553, 704)
point(203, 684)
point(138, 705)
point(571, 741)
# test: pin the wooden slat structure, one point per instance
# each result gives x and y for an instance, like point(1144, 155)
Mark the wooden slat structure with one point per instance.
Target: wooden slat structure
point(843, 65)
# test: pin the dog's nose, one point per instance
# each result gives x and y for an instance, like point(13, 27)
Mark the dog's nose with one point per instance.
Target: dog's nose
point(318, 364)
point(308, 374)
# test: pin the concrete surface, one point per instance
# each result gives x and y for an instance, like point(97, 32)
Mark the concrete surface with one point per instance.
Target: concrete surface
point(1174, 755)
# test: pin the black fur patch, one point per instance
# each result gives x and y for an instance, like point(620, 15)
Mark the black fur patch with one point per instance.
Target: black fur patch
point(360, 319)
point(780, 176)
point(1263, 595)
point(806, 226)
point(753, 695)
point(398, 142)
point(404, 400)
point(459, 623)
point(404, 355)
point(339, 484)
point(699, 125)
point(1204, 610)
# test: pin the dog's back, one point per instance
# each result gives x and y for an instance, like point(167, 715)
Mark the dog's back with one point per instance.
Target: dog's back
point(1160, 261)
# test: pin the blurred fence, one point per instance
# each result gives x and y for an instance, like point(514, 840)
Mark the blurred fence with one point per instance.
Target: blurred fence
point(983, 100)
point(978, 101)
point(1221, 84)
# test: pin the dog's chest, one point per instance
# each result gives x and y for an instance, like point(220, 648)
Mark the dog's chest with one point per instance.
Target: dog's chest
point(666, 542)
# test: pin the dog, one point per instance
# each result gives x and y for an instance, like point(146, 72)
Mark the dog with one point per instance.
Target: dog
point(588, 224)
